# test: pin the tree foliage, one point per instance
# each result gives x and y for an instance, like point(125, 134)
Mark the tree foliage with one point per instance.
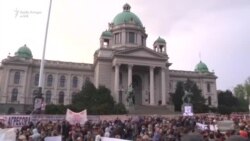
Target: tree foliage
point(197, 100)
point(239, 91)
point(96, 101)
point(177, 97)
point(228, 103)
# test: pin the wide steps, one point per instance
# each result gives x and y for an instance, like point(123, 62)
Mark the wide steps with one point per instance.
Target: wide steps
point(151, 110)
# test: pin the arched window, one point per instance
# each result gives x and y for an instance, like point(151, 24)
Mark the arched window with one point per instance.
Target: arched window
point(49, 80)
point(75, 82)
point(14, 95)
point(62, 81)
point(36, 79)
point(48, 97)
point(17, 77)
point(61, 98)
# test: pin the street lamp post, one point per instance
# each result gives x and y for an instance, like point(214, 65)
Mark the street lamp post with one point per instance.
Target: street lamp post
point(38, 102)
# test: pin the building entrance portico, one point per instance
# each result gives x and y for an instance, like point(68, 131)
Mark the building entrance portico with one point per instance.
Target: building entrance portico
point(137, 89)
point(147, 89)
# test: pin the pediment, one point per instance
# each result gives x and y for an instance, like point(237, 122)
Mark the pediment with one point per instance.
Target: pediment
point(140, 52)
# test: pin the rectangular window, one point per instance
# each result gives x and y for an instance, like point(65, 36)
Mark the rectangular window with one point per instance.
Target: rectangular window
point(131, 37)
point(117, 38)
point(142, 40)
point(208, 87)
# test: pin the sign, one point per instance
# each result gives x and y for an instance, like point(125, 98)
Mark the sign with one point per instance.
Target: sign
point(201, 126)
point(111, 139)
point(53, 138)
point(73, 117)
point(8, 134)
point(38, 103)
point(18, 120)
point(213, 127)
point(225, 125)
point(47, 118)
point(188, 110)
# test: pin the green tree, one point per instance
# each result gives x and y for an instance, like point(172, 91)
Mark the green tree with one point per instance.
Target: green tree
point(96, 101)
point(177, 97)
point(239, 91)
point(197, 99)
point(228, 103)
point(247, 86)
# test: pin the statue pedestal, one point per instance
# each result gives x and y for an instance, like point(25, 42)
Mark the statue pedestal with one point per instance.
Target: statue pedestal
point(187, 109)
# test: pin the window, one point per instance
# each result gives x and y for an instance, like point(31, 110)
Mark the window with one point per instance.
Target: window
point(209, 100)
point(208, 87)
point(49, 80)
point(14, 95)
point(36, 79)
point(117, 38)
point(17, 77)
point(62, 81)
point(131, 37)
point(142, 40)
point(75, 82)
point(61, 98)
point(48, 97)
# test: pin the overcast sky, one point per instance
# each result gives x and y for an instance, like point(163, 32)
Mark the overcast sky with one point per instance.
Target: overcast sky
point(217, 29)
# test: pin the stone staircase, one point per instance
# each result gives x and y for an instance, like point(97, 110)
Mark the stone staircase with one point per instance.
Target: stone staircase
point(151, 110)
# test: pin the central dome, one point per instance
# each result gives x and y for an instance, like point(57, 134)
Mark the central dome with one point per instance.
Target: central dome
point(126, 17)
point(24, 52)
point(201, 67)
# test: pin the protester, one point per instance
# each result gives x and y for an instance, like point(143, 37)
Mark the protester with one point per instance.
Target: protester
point(144, 128)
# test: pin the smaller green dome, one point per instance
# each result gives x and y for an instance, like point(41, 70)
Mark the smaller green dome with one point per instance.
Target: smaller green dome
point(160, 40)
point(24, 52)
point(106, 34)
point(126, 17)
point(201, 67)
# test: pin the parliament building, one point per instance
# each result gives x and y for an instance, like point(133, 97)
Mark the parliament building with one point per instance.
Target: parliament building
point(122, 59)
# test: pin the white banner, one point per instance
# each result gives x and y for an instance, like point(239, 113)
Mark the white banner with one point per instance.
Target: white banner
point(188, 111)
point(112, 139)
point(8, 134)
point(213, 127)
point(201, 126)
point(225, 125)
point(53, 138)
point(73, 117)
point(18, 120)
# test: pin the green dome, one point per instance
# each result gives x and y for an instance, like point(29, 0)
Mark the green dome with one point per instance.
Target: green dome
point(160, 40)
point(106, 34)
point(24, 52)
point(201, 67)
point(126, 17)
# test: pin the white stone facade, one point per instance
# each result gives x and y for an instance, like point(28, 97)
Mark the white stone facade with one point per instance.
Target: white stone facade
point(122, 59)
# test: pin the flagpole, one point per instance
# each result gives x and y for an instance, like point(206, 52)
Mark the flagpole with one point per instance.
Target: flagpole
point(40, 85)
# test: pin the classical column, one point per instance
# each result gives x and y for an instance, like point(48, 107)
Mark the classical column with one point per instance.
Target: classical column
point(163, 86)
point(130, 74)
point(116, 88)
point(152, 96)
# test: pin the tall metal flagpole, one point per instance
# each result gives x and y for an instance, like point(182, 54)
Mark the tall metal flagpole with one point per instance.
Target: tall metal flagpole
point(40, 85)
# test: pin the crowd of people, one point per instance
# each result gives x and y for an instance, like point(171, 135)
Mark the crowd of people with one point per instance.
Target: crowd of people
point(144, 128)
